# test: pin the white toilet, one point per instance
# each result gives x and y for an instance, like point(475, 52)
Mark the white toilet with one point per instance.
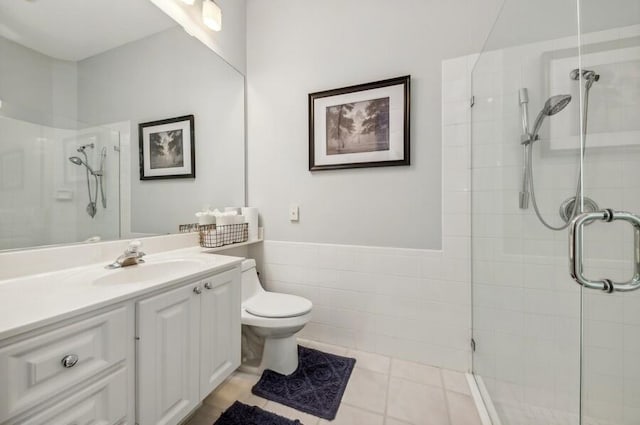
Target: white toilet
point(270, 322)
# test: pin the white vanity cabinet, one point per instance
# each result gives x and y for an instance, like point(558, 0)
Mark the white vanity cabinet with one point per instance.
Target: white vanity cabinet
point(79, 369)
point(188, 343)
point(144, 357)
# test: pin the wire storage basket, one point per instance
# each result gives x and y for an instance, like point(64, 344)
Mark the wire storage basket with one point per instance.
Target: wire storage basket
point(212, 236)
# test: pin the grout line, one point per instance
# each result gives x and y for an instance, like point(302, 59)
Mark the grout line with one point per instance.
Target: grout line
point(364, 409)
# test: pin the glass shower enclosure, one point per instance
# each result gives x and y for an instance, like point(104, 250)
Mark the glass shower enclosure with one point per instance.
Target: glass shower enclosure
point(59, 181)
point(555, 200)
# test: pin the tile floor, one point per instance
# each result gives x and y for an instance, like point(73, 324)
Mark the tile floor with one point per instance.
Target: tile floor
point(381, 391)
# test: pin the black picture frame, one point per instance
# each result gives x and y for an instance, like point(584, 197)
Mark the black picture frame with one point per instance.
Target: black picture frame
point(326, 142)
point(167, 159)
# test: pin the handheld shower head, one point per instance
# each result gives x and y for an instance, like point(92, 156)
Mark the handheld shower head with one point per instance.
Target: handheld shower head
point(552, 106)
point(556, 103)
point(78, 161)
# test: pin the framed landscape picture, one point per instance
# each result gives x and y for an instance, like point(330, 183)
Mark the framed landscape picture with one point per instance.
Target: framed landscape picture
point(360, 126)
point(167, 149)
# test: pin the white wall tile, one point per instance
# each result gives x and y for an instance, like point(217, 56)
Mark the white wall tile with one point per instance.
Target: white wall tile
point(382, 293)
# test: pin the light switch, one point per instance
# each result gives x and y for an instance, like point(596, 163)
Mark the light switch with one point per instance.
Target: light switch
point(294, 213)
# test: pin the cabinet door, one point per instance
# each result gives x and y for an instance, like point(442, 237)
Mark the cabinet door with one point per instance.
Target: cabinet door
point(220, 329)
point(167, 357)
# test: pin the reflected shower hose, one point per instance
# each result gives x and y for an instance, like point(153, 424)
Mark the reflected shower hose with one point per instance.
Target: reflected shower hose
point(92, 199)
point(577, 205)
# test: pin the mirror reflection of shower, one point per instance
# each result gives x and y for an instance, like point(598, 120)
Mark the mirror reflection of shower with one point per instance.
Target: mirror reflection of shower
point(577, 204)
point(98, 177)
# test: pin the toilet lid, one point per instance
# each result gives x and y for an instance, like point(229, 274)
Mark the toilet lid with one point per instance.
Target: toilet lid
point(271, 304)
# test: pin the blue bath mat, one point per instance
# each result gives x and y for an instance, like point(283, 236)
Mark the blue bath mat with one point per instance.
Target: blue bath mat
point(241, 414)
point(316, 387)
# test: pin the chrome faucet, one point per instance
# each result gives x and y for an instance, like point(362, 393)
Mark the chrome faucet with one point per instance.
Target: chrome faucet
point(132, 256)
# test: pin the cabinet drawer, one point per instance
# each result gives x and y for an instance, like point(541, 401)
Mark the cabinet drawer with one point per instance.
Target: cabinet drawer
point(32, 370)
point(102, 403)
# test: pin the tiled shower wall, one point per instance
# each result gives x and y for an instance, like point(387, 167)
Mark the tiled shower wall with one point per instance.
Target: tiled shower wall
point(44, 196)
point(526, 307)
point(411, 304)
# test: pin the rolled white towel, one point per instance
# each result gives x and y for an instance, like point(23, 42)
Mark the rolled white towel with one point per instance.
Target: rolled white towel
point(251, 216)
point(225, 220)
point(205, 217)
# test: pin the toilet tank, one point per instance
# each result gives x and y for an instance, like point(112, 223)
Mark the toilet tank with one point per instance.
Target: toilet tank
point(250, 283)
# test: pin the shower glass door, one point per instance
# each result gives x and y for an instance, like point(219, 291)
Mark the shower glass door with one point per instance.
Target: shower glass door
point(547, 350)
point(526, 307)
point(610, 47)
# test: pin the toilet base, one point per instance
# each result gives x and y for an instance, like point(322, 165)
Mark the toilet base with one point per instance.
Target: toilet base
point(275, 352)
point(280, 355)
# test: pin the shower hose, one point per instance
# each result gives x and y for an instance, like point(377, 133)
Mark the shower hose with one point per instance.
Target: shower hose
point(577, 204)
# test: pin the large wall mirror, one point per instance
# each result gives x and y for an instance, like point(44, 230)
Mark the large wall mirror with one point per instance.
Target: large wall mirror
point(77, 78)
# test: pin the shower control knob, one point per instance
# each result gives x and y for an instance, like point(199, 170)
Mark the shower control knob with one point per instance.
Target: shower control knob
point(208, 285)
point(197, 290)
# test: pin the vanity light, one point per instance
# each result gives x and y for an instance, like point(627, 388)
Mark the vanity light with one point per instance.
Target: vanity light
point(211, 15)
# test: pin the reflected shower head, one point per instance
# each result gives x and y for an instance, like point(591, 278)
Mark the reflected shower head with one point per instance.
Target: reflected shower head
point(83, 147)
point(552, 106)
point(556, 104)
point(78, 161)
point(587, 74)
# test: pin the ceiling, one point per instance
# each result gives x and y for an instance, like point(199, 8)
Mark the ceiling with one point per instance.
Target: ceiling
point(77, 29)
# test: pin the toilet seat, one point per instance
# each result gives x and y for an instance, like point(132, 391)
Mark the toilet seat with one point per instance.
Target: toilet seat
point(276, 305)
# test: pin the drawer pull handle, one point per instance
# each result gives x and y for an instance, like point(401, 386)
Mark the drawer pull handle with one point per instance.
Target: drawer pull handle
point(69, 360)
point(208, 285)
point(197, 290)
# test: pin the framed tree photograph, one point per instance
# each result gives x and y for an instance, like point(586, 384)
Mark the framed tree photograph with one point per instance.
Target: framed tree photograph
point(366, 125)
point(167, 149)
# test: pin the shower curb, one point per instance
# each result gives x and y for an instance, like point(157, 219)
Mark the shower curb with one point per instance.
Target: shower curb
point(486, 409)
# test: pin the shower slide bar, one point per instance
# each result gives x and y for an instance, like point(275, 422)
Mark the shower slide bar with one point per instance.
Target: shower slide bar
point(576, 250)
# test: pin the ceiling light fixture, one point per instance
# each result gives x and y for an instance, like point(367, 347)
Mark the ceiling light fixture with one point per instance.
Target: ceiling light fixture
point(189, 2)
point(211, 15)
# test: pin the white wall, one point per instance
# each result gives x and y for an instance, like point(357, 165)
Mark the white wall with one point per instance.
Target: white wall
point(411, 304)
point(37, 88)
point(297, 47)
point(163, 76)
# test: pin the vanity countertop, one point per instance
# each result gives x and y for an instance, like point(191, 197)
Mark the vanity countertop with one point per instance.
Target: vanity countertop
point(33, 301)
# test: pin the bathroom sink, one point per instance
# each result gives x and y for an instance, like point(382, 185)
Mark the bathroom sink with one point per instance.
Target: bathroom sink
point(145, 272)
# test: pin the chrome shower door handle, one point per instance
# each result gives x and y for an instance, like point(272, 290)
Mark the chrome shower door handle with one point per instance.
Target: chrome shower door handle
point(576, 250)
